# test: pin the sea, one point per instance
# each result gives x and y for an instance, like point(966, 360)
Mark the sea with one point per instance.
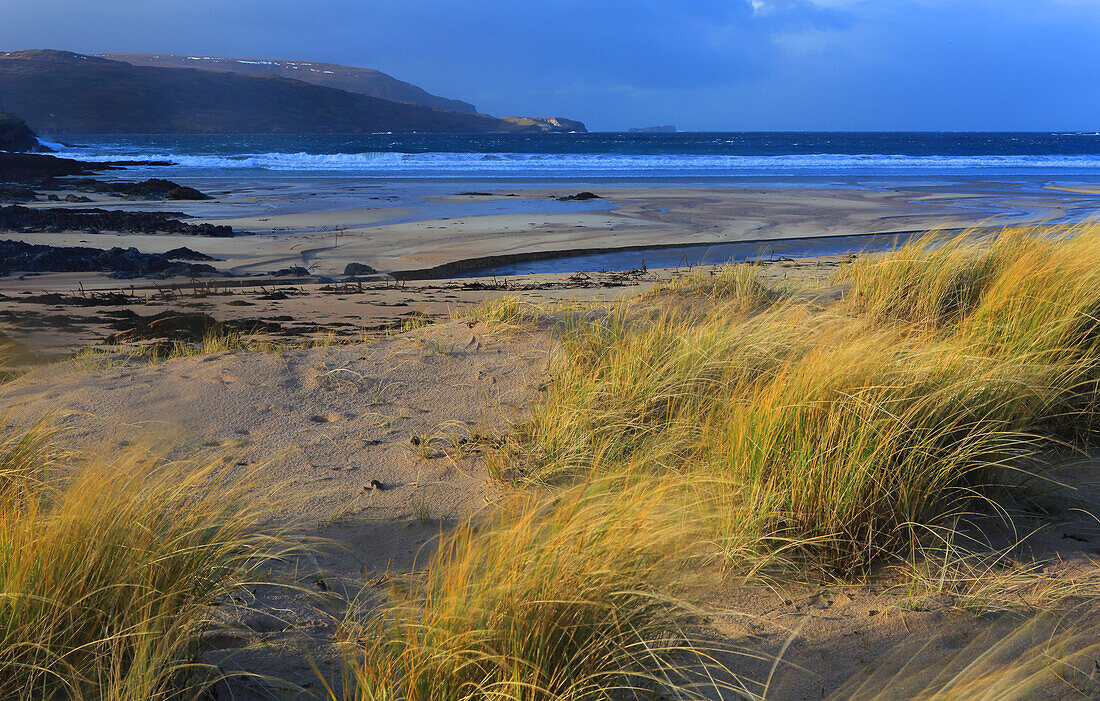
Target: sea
point(687, 156)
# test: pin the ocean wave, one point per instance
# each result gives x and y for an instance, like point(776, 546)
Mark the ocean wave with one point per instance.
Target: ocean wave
point(550, 164)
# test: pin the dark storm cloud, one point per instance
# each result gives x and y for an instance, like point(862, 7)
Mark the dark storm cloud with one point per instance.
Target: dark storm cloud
point(706, 64)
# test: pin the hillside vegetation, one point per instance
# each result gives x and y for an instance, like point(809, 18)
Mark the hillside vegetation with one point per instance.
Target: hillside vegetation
point(59, 92)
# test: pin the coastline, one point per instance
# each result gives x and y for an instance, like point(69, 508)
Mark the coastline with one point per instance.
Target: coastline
point(407, 228)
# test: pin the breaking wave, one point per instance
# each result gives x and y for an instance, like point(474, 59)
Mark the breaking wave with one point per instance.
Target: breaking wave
point(445, 164)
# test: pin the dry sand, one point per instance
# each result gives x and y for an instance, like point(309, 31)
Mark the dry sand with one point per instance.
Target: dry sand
point(322, 423)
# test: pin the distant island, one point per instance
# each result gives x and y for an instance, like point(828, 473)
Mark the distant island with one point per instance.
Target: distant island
point(665, 129)
point(60, 92)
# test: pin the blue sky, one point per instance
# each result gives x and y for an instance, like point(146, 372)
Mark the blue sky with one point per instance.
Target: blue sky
point(699, 64)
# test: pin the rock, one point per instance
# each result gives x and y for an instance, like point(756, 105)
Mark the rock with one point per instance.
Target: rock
point(119, 262)
point(53, 198)
point(294, 270)
point(17, 193)
point(580, 197)
point(157, 188)
point(185, 193)
point(546, 124)
point(56, 220)
point(184, 253)
point(35, 169)
point(358, 269)
point(16, 136)
point(77, 198)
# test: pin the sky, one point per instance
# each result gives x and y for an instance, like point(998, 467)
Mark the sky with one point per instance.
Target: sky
point(705, 65)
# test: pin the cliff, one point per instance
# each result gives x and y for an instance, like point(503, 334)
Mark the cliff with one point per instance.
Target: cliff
point(59, 92)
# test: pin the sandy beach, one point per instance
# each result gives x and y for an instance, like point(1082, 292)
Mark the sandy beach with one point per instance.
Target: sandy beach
point(371, 404)
point(324, 224)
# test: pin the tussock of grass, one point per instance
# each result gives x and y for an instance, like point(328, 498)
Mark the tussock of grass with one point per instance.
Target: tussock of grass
point(851, 429)
point(103, 579)
point(739, 284)
point(546, 600)
point(508, 310)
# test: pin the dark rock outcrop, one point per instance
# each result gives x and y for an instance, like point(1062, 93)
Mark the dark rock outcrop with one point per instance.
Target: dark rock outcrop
point(36, 169)
point(580, 197)
point(26, 219)
point(184, 253)
point(151, 189)
point(292, 271)
point(157, 188)
point(352, 269)
point(17, 193)
point(15, 135)
point(18, 256)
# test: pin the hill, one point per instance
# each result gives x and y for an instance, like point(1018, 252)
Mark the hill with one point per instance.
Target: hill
point(363, 81)
point(59, 92)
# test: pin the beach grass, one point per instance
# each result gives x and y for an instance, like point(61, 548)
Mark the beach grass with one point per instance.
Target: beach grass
point(108, 565)
point(723, 422)
point(563, 597)
point(1013, 660)
point(854, 427)
point(762, 432)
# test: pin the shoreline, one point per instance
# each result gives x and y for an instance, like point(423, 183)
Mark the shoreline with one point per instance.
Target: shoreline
point(432, 230)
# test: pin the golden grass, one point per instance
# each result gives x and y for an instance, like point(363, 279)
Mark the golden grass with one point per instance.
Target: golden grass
point(547, 599)
point(755, 430)
point(507, 310)
point(761, 430)
point(105, 573)
point(854, 428)
point(741, 284)
point(1011, 661)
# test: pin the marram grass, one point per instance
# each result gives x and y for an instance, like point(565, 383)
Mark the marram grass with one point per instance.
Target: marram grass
point(853, 427)
point(104, 576)
point(549, 599)
point(761, 430)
